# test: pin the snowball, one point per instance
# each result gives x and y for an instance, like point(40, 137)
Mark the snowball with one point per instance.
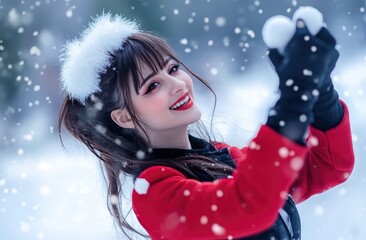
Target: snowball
point(141, 185)
point(277, 32)
point(312, 17)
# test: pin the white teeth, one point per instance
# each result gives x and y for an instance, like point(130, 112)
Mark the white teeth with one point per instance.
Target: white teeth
point(186, 99)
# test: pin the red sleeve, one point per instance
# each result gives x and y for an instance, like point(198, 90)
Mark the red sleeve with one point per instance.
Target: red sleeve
point(330, 160)
point(175, 207)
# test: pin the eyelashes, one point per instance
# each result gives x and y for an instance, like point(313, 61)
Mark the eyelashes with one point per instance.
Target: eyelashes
point(174, 68)
point(154, 84)
point(151, 87)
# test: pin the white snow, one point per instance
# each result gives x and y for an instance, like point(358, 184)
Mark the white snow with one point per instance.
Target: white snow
point(296, 163)
point(220, 21)
point(140, 154)
point(217, 229)
point(312, 17)
point(186, 193)
point(35, 51)
point(141, 185)
point(319, 210)
point(283, 152)
point(204, 220)
point(219, 193)
point(277, 32)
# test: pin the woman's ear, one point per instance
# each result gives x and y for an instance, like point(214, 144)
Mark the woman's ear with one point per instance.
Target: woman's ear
point(122, 118)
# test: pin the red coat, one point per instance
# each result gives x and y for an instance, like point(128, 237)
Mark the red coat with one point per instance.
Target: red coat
point(269, 169)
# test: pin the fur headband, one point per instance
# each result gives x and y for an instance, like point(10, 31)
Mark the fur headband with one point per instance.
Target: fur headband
point(84, 59)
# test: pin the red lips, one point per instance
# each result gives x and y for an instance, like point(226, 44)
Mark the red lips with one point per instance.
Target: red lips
point(185, 105)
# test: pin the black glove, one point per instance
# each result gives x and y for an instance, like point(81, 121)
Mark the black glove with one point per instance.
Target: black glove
point(328, 111)
point(302, 69)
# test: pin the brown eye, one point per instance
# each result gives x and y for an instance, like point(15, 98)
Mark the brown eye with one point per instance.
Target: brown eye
point(151, 87)
point(174, 68)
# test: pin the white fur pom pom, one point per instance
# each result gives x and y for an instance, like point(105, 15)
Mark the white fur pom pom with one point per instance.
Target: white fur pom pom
point(84, 59)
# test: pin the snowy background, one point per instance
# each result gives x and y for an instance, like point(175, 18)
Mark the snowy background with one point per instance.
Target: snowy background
point(47, 192)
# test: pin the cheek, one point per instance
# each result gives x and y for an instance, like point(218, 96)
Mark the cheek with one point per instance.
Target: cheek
point(154, 105)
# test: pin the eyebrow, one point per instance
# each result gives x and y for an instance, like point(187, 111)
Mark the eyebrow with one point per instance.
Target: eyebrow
point(154, 73)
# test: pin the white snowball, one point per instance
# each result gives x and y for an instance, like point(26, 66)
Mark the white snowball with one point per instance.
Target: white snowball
point(277, 32)
point(141, 185)
point(312, 17)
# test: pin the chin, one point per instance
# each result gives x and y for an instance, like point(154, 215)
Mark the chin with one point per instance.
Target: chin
point(196, 116)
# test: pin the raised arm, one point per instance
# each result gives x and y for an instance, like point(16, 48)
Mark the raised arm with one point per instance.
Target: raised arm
point(175, 207)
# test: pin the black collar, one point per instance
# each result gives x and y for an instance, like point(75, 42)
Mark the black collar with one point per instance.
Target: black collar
point(199, 147)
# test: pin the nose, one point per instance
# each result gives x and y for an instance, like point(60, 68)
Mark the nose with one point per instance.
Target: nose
point(176, 85)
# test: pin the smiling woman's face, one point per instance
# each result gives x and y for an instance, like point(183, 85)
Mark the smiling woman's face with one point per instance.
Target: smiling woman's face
point(165, 100)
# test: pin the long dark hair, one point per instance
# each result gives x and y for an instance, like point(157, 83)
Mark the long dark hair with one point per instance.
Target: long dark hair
point(115, 146)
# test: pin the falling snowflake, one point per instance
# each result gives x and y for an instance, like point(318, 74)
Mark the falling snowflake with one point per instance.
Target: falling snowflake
point(217, 229)
point(141, 186)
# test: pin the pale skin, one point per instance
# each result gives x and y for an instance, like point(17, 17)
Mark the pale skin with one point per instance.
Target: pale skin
point(154, 104)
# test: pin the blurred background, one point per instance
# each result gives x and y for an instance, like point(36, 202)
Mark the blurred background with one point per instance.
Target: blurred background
point(49, 192)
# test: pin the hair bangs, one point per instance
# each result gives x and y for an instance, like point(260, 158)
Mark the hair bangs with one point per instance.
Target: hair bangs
point(149, 52)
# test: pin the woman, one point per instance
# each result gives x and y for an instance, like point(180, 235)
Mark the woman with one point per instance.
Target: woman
point(130, 102)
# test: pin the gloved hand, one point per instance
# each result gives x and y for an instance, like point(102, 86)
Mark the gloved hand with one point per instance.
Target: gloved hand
point(302, 69)
point(328, 111)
